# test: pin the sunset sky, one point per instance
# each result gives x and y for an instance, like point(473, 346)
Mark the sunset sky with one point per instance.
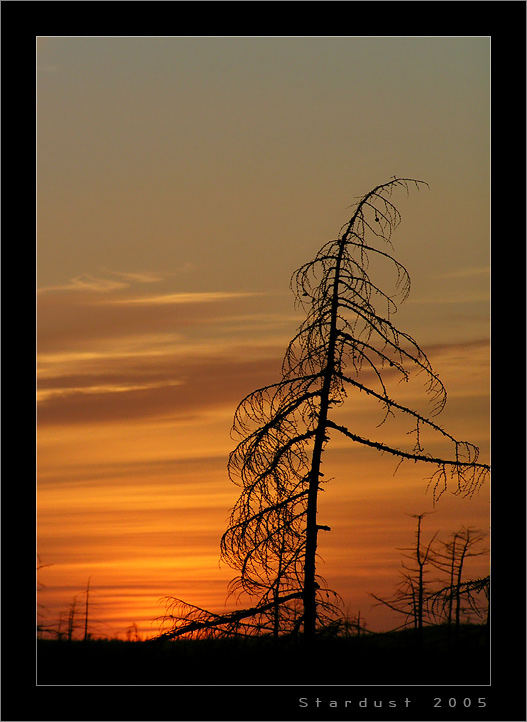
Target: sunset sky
point(181, 181)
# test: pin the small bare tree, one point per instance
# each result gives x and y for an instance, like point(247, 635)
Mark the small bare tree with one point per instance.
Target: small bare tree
point(72, 616)
point(42, 626)
point(132, 633)
point(412, 593)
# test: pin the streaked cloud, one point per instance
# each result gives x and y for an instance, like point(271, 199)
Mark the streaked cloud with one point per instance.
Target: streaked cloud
point(128, 391)
point(87, 283)
point(173, 298)
point(141, 277)
point(43, 395)
point(85, 323)
point(90, 283)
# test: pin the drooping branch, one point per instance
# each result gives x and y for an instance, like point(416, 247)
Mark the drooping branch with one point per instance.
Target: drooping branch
point(205, 621)
point(469, 473)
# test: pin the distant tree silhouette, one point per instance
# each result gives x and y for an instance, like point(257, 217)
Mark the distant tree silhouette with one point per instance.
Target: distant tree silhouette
point(42, 627)
point(412, 593)
point(132, 633)
point(421, 599)
point(460, 596)
point(347, 344)
point(72, 615)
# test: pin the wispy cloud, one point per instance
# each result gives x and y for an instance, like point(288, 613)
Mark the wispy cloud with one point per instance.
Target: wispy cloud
point(83, 388)
point(119, 355)
point(139, 388)
point(172, 298)
point(87, 283)
point(141, 276)
point(92, 322)
point(90, 283)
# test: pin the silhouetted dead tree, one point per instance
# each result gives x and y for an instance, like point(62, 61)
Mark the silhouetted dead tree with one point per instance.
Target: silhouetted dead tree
point(421, 599)
point(42, 626)
point(412, 594)
point(72, 619)
point(459, 596)
point(347, 338)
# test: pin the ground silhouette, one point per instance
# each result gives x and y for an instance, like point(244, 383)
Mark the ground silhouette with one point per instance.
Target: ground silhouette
point(388, 658)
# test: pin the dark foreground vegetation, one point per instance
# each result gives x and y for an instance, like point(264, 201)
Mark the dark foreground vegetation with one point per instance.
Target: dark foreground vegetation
point(441, 657)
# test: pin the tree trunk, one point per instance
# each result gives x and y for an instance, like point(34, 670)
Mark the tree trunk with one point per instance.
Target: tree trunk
point(458, 584)
point(310, 585)
point(86, 611)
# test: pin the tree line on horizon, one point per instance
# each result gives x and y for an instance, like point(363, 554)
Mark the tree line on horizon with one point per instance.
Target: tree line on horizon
point(75, 623)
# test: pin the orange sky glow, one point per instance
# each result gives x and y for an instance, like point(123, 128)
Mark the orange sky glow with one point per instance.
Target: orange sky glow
point(181, 181)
